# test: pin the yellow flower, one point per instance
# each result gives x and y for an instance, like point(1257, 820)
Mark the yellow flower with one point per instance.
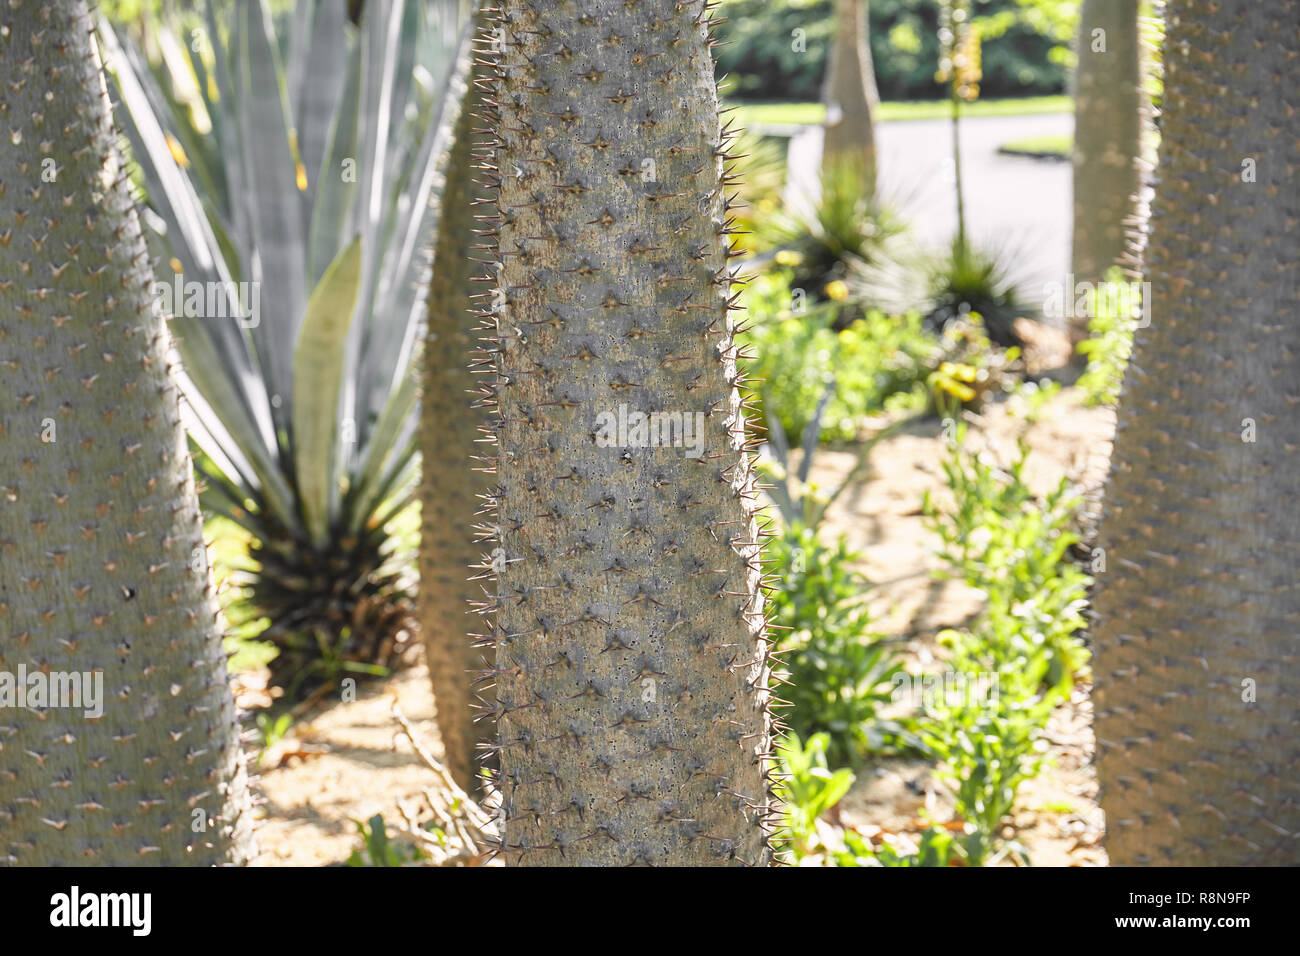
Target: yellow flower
point(837, 290)
point(177, 152)
point(963, 392)
point(788, 257)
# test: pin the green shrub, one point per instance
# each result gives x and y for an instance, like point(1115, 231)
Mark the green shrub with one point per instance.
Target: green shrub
point(1000, 538)
point(1107, 348)
point(807, 789)
point(986, 751)
point(838, 673)
point(878, 363)
point(936, 849)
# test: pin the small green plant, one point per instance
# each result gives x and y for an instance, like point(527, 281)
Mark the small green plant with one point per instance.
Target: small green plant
point(377, 850)
point(936, 848)
point(1107, 348)
point(986, 751)
point(839, 674)
point(1029, 398)
point(272, 729)
point(808, 789)
point(846, 229)
point(1000, 538)
point(800, 502)
point(968, 279)
point(877, 362)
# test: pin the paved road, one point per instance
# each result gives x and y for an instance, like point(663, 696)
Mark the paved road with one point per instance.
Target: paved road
point(1014, 203)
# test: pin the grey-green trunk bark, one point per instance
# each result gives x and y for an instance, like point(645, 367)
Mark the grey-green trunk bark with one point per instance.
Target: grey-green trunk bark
point(104, 571)
point(450, 437)
point(631, 661)
point(851, 99)
point(1197, 686)
point(1108, 121)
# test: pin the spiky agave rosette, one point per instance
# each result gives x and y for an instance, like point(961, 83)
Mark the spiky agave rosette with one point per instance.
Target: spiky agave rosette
point(625, 604)
point(299, 191)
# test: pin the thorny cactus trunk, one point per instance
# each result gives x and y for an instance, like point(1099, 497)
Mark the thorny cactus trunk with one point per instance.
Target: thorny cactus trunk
point(1197, 693)
point(851, 99)
point(451, 429)
point(1108, 122)
point(100, 535)
point(631, 659)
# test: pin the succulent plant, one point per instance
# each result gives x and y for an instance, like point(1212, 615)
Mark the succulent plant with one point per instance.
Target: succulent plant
point(293, 172)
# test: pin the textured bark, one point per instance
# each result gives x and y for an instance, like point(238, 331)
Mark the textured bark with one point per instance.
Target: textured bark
point(100, 534)
point(851, 99)
point(1108, 121)
point(631, 660)
point(450, 431)
point(1201, 530)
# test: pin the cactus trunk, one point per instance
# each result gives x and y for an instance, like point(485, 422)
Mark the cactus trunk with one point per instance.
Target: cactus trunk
point(851, 99)
point(1108, 120)
point(631, 658)
point(104, 569)
point(1197, 691)
point(450, 431)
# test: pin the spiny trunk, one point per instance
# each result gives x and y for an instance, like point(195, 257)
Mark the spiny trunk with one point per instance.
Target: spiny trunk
point(450, 433)
point(631, 659)
point(1197, 693)
point(1108, 120)
point(100, 533)
point(851, 99)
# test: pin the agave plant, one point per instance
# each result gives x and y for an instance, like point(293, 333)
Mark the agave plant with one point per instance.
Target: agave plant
point(293, 170)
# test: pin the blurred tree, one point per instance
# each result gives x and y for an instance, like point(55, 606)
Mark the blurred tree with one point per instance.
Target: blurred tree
point(851, 99)
point(1108, 119)
point(631, 657)
point(104, 569)
point(1197, 694)
point(779, 49)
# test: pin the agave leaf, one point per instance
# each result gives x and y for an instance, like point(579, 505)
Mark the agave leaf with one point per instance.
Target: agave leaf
point(384, 444)
point(274, 209)
point(334, 196)
point(318, 376)
point(214, 352)
point(400, 294)
point(322, 82)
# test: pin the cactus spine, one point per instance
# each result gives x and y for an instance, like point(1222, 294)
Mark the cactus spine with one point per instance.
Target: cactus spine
point(631, 659)
point(1197, 690)
point(101, 544)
